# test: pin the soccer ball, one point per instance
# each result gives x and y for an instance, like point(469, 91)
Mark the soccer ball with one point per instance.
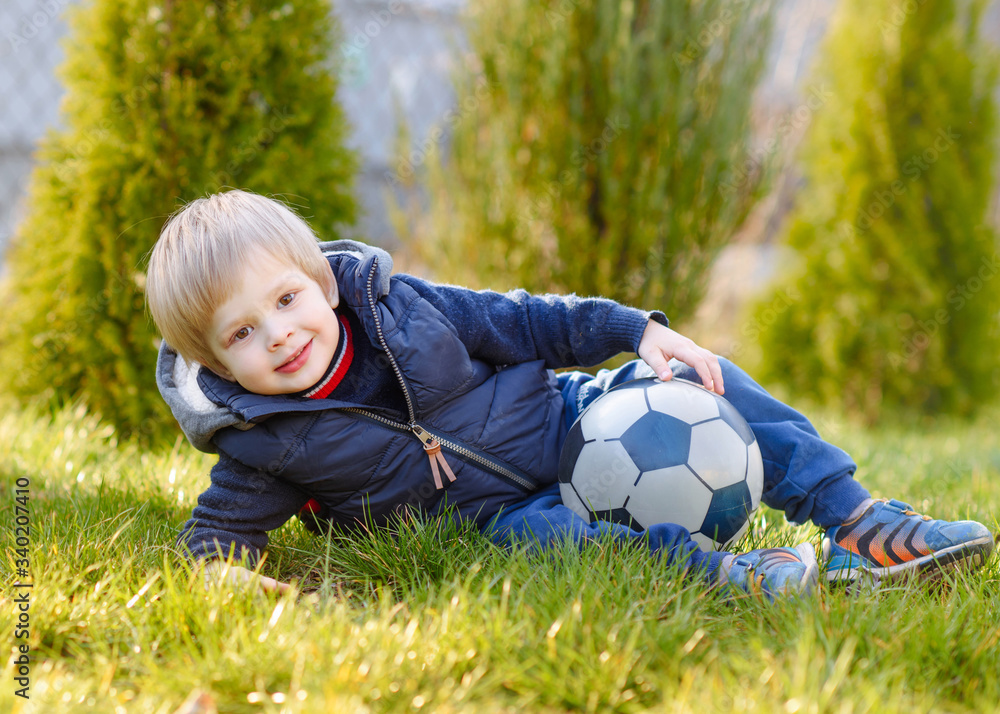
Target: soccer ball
point(651, 452)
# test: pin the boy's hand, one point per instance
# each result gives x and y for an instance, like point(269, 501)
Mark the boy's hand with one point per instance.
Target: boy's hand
point(660, 344)
point(236, 575)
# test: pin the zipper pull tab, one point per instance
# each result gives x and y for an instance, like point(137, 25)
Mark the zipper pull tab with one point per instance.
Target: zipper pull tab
point(433, 450)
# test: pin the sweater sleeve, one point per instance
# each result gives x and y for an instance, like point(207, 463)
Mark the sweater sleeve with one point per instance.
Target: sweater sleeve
point(514, 327)
point(236, 511)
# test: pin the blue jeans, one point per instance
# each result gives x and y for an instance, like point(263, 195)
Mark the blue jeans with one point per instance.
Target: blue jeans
point(806, 477)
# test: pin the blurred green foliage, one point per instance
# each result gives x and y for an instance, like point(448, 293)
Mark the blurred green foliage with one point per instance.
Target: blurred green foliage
point(895, 300)
point(165, 102)
point(597, 146)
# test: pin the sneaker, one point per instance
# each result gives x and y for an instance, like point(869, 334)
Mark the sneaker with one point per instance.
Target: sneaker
point(890, 540)
point(775, 572)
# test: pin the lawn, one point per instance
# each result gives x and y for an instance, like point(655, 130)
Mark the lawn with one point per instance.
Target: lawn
point(439, 620)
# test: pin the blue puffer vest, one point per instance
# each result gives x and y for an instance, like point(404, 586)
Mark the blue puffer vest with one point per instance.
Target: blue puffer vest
point(357, 460)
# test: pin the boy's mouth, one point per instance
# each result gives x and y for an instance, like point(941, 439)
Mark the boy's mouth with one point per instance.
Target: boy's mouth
point(297, 360)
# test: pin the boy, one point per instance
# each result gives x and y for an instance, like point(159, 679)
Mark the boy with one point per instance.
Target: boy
point(329, 387)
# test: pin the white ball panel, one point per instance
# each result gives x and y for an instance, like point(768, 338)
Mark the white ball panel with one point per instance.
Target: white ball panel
point(688, 403)
point(673, 495)
point(610, 415)
point(604, 475)
point(755, 474)
point(572, 501)
point(718, 454)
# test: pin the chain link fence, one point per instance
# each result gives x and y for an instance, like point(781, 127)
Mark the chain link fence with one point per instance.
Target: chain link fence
point(397, 57)
point(29, 94)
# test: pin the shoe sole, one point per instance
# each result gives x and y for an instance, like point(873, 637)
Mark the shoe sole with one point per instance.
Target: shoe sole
point(973, 554)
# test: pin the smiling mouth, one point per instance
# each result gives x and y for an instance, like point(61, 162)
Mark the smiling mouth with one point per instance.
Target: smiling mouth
point(297, 360)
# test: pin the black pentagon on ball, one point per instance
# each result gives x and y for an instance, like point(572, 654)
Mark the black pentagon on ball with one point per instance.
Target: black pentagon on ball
point(614, 515)
point(570, 453)
point(727, 512)
point(735, 420)
point(657, 441)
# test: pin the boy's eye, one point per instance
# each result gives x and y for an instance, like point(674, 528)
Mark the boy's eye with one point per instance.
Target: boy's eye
point(242, 333)
point(285, 300)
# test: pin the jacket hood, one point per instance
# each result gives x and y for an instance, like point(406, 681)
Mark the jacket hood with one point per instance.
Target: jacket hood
point(177, 379)
point(365, 255)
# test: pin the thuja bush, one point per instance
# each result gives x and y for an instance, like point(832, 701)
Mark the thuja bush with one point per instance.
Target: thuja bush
point(165, 102)
point(896, 299)
point(595, 147)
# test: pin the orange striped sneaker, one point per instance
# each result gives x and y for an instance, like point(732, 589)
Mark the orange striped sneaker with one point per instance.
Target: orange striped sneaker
point(890, 540)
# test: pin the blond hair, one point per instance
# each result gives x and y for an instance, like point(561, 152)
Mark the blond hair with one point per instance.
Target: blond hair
point(198, 262)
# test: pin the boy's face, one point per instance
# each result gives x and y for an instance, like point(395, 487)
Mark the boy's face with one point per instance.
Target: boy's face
point(278, 332)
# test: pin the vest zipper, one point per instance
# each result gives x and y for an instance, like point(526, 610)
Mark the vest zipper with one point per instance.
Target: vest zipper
point(433, 442)
point(464, 451)
point(385, 346)
point(495, 465)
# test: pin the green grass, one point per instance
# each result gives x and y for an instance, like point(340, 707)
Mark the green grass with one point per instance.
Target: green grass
point(441, 621)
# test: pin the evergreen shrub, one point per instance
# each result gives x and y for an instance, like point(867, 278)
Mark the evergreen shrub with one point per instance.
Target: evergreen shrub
point(596, 146)
point(895, 295)
point(165, 102)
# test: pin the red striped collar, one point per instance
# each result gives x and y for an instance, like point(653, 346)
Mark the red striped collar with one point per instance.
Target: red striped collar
point(339, 366)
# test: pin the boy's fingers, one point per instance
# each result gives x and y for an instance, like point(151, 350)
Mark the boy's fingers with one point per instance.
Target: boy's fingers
point(705, 364)
point(662, 369)
point(706, 377)
point(239, 575)
point(270, 585)
point(658, 363)
point(716, 369)
point(709, 371)
point(694, 357)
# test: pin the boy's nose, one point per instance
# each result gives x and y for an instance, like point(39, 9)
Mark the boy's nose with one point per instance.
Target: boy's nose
point(279, 334)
